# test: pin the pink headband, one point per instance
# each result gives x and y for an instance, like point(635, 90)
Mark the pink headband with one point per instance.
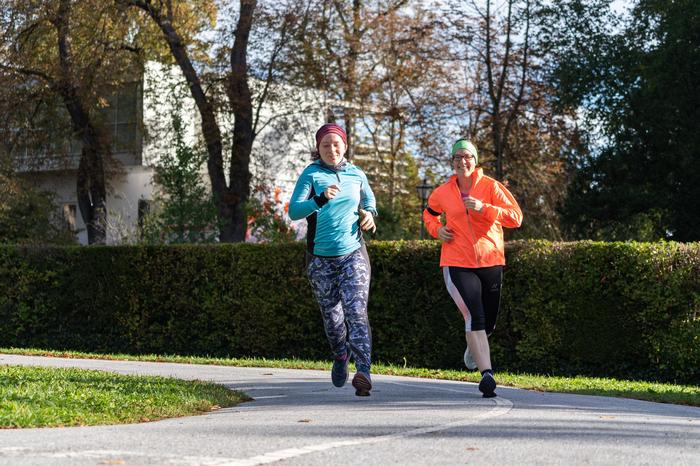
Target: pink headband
point(329, 128)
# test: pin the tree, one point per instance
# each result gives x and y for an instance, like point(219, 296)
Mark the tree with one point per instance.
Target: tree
point(31, 120)
point(379, 64)
point(638, 83)
point(231, 190)
point(70, 50)
point(183, 211)
point(505, 66)
point(268, 220)
point(504, 104)
point(27, 216)
point(333, 52)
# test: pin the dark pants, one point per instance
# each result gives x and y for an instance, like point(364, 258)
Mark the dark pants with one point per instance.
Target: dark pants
point(477, 293)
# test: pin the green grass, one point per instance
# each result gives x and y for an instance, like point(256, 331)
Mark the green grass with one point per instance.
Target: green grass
point(649, 391)
point(51, 397)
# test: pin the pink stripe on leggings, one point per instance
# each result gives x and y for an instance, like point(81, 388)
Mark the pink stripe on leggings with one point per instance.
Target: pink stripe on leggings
point(457, 298)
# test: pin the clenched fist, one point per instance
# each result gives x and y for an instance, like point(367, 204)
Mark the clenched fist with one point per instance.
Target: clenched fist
point(331, 191)
point(367, 221)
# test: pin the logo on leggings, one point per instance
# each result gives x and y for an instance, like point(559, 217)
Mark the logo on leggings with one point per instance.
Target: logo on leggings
point(495, 287)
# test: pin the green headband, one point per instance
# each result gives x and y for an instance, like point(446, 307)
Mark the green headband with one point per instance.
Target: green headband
point(465, 144)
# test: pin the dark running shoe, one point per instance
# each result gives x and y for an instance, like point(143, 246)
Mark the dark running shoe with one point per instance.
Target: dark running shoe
point(339, 372)
point(362, 383)
point(487, 386)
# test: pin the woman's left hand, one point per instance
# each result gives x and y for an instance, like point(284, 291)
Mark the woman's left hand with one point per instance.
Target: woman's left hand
point(473, 203)
point(367, 221)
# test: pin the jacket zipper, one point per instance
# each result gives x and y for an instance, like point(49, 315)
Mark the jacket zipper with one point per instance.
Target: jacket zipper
point(336, 172)
point(471, 230)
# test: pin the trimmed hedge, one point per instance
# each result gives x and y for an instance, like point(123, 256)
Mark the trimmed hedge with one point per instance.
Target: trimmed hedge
point(609, 309)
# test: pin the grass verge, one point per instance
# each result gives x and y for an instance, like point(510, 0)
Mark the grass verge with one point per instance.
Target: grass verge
point(648, 391)
point(53, 397)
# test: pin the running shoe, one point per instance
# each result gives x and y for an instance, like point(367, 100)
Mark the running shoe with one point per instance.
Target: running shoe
point(469, 359)
point(362, 383)
point(339, 371)
point(487, 386)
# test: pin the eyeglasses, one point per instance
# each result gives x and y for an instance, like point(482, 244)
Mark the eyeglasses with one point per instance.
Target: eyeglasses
point(466, 158)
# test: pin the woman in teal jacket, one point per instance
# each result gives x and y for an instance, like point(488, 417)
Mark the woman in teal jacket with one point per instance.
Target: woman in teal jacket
point(334, 197)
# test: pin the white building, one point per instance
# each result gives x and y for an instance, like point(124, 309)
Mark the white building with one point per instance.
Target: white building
point(139, 119)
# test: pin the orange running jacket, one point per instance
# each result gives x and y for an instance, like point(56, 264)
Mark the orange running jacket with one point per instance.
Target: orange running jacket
point(478, 236)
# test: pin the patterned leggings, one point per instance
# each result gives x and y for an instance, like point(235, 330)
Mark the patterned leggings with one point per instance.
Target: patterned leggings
point(341, 287)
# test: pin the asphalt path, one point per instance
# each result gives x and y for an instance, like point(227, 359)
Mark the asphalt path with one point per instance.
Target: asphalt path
point(298, 418)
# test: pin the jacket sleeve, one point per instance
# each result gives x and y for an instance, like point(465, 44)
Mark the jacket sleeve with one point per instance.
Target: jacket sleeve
point(504, 208)
point(302, 204)
point(431, 215)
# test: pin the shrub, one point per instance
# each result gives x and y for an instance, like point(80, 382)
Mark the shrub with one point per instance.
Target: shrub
point(607, 309)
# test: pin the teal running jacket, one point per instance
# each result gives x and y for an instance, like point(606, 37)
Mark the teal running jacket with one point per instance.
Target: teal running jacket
point(333, 226)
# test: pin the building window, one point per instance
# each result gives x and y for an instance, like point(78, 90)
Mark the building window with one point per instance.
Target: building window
point(51, 135)
point(69, 216)
point(144, 209)
point(121, 118)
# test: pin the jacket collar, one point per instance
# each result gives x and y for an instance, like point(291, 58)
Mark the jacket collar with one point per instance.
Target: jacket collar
point(476, 176)
point(338, 168)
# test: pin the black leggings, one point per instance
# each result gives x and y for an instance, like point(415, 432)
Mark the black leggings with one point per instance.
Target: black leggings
point(477, 293)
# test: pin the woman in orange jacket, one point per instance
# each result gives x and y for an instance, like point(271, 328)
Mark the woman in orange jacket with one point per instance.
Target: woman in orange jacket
point(476, 209)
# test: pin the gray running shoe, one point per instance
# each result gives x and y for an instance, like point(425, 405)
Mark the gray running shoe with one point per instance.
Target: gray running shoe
point(469, 359)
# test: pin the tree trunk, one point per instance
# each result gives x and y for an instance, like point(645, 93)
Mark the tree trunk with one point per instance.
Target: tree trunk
point(501, 125)
point(91, 202)
point(241, 103)
point(354, 42)
point(90, 184)
point(231, 200)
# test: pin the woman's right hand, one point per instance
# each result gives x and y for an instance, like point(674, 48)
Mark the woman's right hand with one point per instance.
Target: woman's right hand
point(331, 191)
point(445, 234)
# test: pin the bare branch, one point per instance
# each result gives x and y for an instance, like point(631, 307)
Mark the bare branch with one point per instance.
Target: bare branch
point(524, 67)
point(271, 66)
point(29, 72)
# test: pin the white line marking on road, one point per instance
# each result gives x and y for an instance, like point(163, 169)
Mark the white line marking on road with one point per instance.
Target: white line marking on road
point(502, 407)
point(114, 455)
point(243, 389)
point(423, 386)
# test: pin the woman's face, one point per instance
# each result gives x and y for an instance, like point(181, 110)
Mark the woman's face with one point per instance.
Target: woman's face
point(463, 162)
point(332, 149)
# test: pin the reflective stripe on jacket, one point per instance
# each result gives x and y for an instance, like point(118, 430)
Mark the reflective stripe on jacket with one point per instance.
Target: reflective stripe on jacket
point(478, 236)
